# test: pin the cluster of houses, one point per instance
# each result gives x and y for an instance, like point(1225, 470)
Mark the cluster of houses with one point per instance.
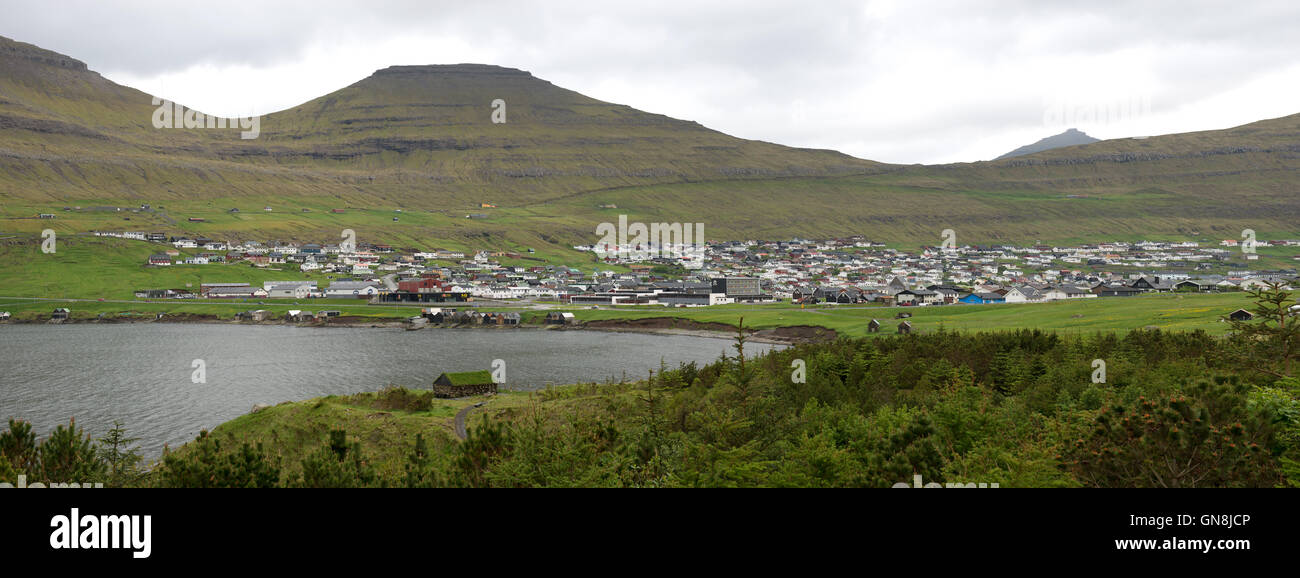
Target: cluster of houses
point(845, 270)
point(292, 315)
point(441, 316)
point(344, 288)
point(896, 292)
point(855, 270)
point(363, 259)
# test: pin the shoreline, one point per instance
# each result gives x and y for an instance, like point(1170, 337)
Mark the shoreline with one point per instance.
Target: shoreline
point(667, 326)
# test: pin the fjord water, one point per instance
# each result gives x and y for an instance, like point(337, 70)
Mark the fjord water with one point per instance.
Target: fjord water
point(142, 374)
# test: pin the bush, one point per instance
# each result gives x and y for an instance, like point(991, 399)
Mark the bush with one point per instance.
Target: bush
point(1205, 437)
point(401, 399)
point(204, 465)
point(69, 456)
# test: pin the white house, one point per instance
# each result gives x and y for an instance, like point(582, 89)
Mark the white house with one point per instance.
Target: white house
point(358, 289)
point(1023, 295)
point(289, 290)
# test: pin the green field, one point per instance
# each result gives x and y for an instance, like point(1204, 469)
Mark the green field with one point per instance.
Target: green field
point(1118, 314)
point(93, 268)
point(1165, 311)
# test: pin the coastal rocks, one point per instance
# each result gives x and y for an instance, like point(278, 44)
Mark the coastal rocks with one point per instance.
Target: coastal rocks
point(259, 407)
point(799, 334)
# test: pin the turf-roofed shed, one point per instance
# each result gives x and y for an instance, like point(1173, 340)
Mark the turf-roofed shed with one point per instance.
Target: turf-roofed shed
point(464, 384)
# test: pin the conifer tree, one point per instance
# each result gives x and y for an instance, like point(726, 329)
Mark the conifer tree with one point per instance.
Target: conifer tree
point(121, 456)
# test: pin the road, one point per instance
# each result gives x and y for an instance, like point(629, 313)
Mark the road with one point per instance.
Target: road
point(461, 432)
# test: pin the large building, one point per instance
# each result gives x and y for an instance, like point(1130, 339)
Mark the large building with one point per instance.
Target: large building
point(739, 288)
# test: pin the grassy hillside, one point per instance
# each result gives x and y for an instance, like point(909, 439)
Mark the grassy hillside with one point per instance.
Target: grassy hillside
point(386, 421)
point(89, 267)
point(421, 139)
point(421, 136)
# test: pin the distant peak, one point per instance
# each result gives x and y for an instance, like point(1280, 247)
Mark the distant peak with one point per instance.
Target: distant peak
point(1071, 137)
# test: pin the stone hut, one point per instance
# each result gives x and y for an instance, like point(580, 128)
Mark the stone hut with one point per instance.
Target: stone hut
point(464, 384)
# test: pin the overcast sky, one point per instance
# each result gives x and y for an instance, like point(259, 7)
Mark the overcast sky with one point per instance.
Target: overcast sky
point(909, 81)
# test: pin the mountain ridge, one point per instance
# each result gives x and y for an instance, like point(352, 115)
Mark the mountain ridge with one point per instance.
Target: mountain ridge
point(31, 52)
point(429, 119)
point(422, 137)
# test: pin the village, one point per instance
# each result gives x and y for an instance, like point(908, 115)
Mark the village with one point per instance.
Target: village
point(850, 270)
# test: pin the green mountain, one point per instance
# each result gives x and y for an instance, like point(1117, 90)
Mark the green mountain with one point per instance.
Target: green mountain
point(419, 135)
point(421, 139)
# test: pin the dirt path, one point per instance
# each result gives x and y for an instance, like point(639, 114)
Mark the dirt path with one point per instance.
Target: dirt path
point(461, 432)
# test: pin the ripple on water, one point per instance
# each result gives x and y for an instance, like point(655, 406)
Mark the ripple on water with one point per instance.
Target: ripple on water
point(141, 373)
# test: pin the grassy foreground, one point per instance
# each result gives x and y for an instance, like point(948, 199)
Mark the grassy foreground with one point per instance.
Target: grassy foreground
point(387, 421)
point(1012, 409)
point(1020, 408)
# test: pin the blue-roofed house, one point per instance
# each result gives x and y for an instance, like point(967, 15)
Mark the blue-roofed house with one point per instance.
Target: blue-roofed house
point(982, 298)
